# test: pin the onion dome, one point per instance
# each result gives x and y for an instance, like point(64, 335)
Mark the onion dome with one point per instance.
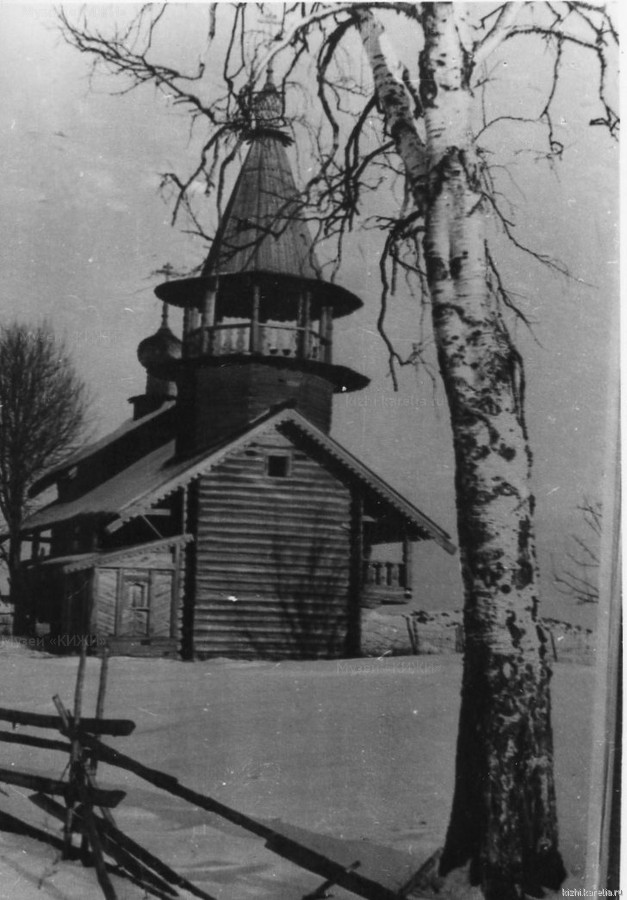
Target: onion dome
point(267, 109)
point(161, 347)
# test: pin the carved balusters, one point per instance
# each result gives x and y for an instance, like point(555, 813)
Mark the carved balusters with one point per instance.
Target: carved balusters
point(254, 322)
point(241, 339)
point(306, 334)
point(207, 319)
point(326, 333)
point(384, 574)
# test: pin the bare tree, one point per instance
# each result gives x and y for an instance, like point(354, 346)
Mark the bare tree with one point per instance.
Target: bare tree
point(578, 578)
point(43, 406)
point(423, 131)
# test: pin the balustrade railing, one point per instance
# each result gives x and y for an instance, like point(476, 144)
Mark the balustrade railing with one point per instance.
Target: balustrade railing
point(385, 575)
point(288, 341)
point(385, 583)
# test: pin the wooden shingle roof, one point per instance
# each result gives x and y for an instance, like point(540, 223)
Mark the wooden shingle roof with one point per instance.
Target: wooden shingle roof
point(131, 493)
point(263, 234)
point(263, 229)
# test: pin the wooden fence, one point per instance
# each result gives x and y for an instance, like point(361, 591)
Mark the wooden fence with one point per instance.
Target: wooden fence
point(89, 831)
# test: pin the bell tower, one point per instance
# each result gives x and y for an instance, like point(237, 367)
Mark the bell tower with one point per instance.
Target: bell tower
point(258, 322)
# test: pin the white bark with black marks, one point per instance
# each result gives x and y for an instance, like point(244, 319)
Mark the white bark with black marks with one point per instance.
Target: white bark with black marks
point(503, 824)
point(504, 820)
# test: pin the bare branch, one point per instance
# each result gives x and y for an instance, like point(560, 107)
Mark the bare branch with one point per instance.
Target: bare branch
point(506, 17)
point(578, 579)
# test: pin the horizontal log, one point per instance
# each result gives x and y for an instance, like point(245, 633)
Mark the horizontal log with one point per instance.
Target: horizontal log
point(315, 504)
point(252, 587)
point(269, 604)
point(272, 570)
point(204, 643)
point(233, 631)
point(16, 826)
point(133, 866)
point(252, 535)
point(264, 599)
point(257, 586)
point(278, 623)
point(275, 574)
point(302, 577)
point(243, 472)
point(247, 482)
point(278, 649)
point(255, 519)
point(44, 785)
point(226, 632)
point(212, 591)
point(111, 727)
point(29, 740)
point(278, 843)
point(259, 527)
point(315, 512)
point(318, 511)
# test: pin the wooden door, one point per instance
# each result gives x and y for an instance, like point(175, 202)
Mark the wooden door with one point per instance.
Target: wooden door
point(145, 604)
point(135, 605)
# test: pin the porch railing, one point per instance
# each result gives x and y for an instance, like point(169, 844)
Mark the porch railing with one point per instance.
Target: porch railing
point(287, 341)
point(385, 582)
point(385, 574)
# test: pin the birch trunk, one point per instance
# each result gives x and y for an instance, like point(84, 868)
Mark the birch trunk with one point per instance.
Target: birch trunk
point(503, 824)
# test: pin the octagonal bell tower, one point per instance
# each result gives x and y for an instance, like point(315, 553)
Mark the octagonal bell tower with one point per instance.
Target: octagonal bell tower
point(258, 322)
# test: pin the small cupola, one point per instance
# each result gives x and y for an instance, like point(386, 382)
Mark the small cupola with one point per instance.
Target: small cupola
point(162, 346)
point(159, 349)
point(267, 113)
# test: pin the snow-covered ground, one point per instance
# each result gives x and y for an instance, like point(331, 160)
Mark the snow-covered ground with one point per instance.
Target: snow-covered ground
point(355, 757)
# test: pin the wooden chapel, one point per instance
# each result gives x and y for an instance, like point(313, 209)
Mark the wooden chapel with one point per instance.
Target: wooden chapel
point(223, 519)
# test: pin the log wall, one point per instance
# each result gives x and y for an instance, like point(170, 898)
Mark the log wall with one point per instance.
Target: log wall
point(272, 557)
point(216, 401)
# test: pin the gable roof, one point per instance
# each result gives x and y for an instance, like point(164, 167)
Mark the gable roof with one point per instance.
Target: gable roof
point(123, 431)
point(134, 491)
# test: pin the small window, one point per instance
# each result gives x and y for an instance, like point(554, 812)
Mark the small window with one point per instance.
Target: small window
point(137, 594)
point(278, 466)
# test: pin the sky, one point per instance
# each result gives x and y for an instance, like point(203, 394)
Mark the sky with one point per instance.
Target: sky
point(83, 230)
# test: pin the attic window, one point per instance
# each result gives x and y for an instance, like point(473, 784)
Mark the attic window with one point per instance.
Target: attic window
point(278, 465)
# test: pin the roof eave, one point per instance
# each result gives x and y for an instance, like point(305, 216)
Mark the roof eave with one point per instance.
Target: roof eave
point(191, 291)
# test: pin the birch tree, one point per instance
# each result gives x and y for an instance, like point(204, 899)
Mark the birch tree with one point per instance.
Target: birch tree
point(414, 118)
